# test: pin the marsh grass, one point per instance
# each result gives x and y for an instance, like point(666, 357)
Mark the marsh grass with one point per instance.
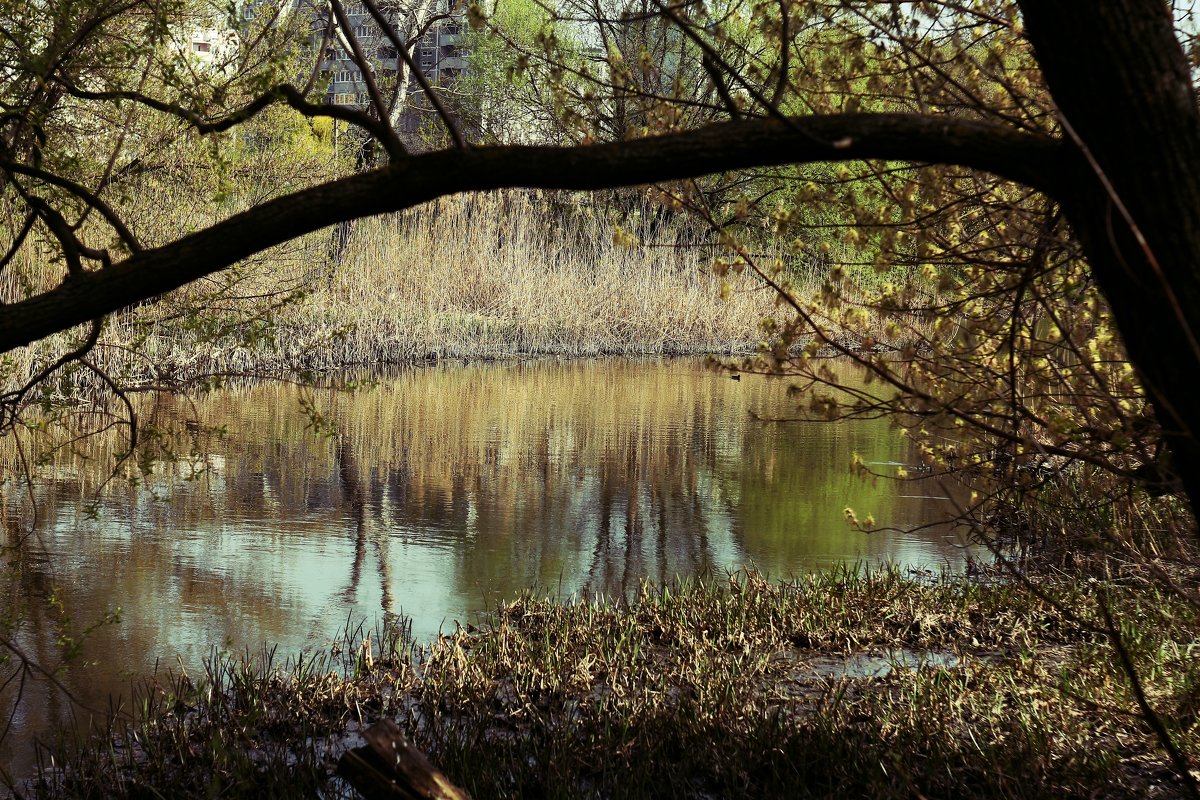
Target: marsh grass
point(479, 276)
point(247, 726)
point(509, 274)
point(703, 688)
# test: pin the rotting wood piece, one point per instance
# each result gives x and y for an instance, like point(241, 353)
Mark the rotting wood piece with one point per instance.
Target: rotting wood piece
point(389, 767)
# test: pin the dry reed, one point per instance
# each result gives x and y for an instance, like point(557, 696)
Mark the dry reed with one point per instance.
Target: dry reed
point(483, 276)
point(495, 275)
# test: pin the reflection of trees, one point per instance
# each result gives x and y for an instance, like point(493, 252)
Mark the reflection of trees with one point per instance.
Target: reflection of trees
point(25, 698)
point(794, 481)
point(546, 480)
point(648, 525)
point(587, 477)
point(355, 501)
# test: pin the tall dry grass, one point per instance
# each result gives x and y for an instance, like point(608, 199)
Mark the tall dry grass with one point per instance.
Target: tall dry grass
point(480, 276)
point(496, 275)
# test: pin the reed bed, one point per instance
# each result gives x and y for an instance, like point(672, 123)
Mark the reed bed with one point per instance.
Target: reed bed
point(711, 688)
point(480, 276)
point(504, 274)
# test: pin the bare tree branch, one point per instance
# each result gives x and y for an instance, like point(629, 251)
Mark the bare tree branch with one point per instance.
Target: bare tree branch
point(403, 50)
point(285, 92)
point(390, 140)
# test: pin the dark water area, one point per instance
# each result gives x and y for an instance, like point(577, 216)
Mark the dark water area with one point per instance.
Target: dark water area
point(434, 493)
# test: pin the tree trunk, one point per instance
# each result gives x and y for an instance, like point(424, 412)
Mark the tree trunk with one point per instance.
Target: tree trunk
point(1122, 86)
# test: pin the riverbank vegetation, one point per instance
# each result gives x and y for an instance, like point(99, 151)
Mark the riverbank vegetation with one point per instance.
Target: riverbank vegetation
point(1002, 252)
point(841, 684)
point(479, 277)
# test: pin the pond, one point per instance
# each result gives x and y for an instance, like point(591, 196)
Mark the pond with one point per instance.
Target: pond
point(436, 492)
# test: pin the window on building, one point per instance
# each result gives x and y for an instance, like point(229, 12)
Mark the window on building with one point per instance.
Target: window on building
point(201, 47)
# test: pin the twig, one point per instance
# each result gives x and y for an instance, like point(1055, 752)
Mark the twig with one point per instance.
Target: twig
point(1149, 715)
point(401, 46)
point(390, 140)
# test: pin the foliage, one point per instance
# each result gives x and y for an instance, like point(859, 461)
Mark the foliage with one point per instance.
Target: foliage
point(498, 93)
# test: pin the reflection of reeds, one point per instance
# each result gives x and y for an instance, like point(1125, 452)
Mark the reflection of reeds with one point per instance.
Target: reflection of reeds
point(615, 456)
point(475, 427)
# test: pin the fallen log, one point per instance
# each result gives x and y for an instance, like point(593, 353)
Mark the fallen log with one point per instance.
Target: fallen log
point(388, 767)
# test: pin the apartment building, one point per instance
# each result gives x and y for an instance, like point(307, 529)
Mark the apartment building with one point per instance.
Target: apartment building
point(439, 53)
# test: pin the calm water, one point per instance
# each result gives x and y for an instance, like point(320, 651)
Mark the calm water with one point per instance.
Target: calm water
point(444, 490)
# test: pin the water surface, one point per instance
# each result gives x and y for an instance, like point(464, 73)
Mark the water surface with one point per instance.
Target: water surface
point(435, 493)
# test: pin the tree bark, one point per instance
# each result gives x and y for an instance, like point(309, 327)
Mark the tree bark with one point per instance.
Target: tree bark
point(1131, 189)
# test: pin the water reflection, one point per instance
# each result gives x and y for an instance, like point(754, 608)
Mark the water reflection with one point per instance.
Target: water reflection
point(444, 490)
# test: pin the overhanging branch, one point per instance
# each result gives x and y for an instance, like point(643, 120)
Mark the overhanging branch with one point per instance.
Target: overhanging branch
point(1021, 157)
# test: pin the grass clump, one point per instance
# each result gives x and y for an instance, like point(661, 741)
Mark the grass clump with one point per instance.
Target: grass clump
point(250, 726)
point(738, 687)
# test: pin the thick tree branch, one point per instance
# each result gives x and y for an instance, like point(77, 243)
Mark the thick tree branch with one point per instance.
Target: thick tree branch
point(1021, 157)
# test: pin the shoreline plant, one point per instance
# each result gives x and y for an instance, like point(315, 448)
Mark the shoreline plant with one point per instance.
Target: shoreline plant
point(847, 683)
